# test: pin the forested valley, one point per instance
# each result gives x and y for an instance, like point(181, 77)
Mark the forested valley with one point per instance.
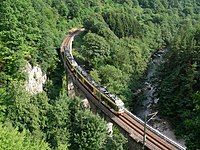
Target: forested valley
point(120, 38)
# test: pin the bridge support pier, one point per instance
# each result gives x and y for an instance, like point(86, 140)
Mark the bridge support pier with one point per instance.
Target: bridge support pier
point(133, 144)
point(110, 129)
point(70, 87)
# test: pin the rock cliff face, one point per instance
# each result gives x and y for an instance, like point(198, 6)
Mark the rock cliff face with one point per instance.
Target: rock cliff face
point(36, 79)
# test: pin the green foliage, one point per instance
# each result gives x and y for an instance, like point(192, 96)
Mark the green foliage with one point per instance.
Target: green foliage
point(96, 49)
point(94, 74)
point(18, 31)
point(192, 124)
point(96, 24)
point(179, 92)
point(61, 7)
point(116, 142)
point(74, 8)
point(89, 131)
point(11, 139)
point(25, 111)
point(54, 83)
point(123, 24)
point(59, 123)
point(112, 78)
point(29, 30)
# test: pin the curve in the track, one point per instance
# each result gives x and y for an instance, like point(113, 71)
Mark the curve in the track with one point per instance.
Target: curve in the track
point(127, 121)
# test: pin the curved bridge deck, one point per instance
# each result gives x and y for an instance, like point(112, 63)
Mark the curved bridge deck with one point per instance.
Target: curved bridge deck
point(127, 122)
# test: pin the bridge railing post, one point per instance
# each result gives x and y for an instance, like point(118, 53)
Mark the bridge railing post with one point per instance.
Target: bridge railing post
point(145, 126)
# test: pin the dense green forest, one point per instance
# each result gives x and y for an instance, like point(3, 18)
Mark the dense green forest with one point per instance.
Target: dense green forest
point(179, 87)
point(115, 49)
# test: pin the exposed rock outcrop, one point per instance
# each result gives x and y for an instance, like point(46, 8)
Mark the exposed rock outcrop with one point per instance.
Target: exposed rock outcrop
point(36, 79)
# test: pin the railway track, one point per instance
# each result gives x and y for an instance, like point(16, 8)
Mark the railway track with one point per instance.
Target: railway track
point(153, 140)
point(131, 124)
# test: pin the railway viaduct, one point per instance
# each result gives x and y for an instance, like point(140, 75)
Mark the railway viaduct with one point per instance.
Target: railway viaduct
point(130, 125)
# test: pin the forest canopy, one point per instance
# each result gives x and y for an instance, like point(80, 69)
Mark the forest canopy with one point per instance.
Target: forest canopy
point(120, 38)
